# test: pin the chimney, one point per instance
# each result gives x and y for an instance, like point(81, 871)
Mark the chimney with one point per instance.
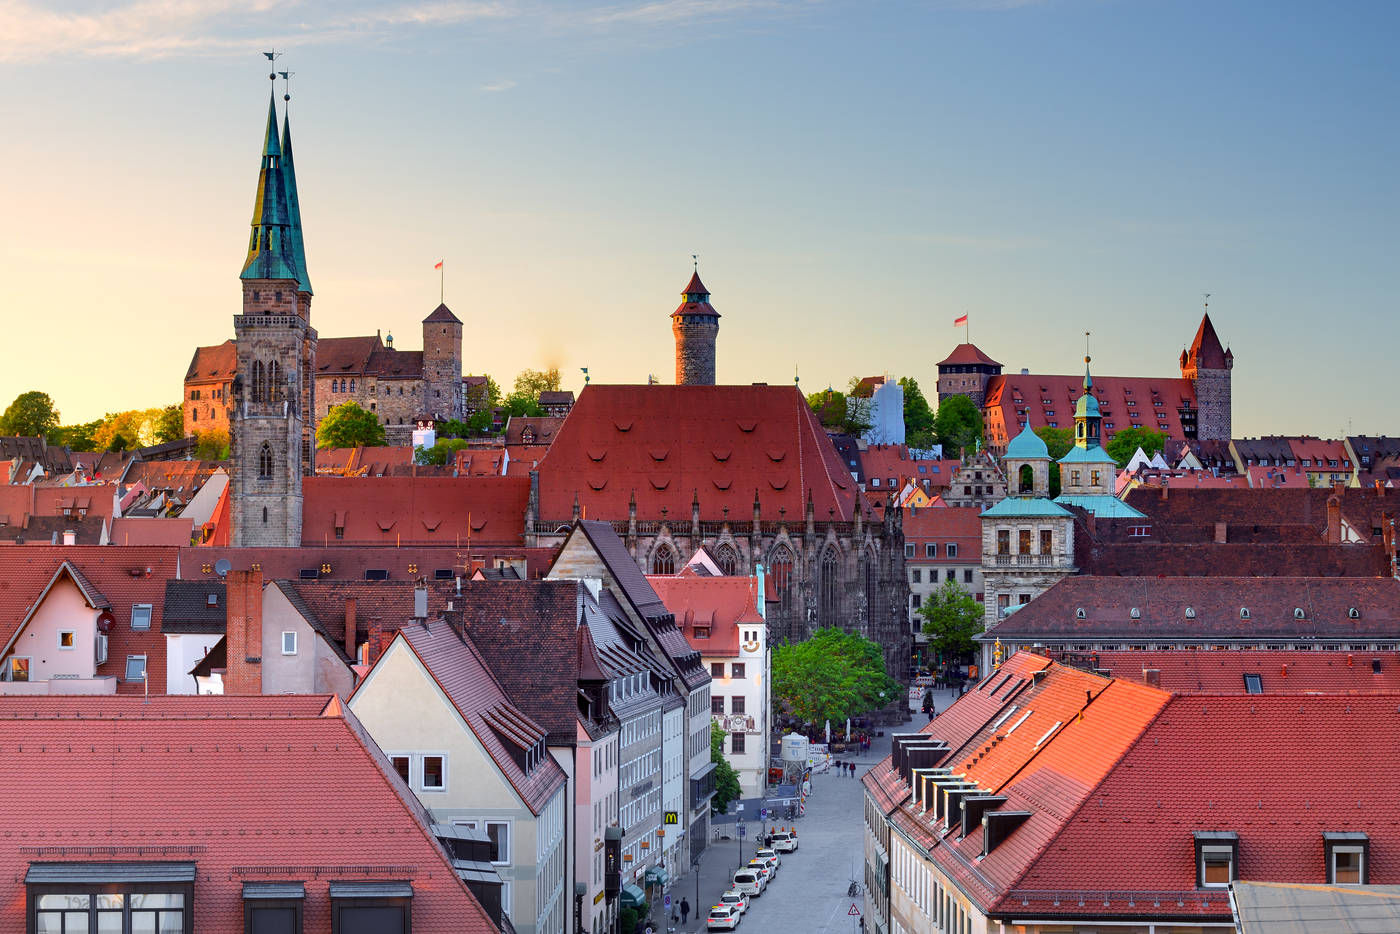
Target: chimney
point(1338, 487)
point(350, 627)
point(1220, 532)
point(1164, 489)
point(1152, 677)
point(420, 602)
point(243, 633)
point(1380, 488)
point(70, 537)
point(1334, 520)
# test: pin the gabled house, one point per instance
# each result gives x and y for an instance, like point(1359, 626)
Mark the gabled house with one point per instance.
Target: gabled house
point(476, 761)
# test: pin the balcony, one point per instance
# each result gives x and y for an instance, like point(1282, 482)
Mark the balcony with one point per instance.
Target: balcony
point(1031, 561)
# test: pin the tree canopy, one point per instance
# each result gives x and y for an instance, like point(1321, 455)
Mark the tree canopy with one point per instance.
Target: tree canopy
point(958, 425)
point(843, 412)
point(1126, 442)
point(348, 426)
point(32, 414)
point(918, 417)
point(444, 451)
point(483, 397)
point(211, 445)
point(530, 383)
point(170, 424)
point(726, 779)
point(952, 620)
point(831, 676)
point(76, 437)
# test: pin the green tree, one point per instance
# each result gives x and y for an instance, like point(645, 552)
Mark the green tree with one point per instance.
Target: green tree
point(348, 426)
point(530, 383)
point(958, 425)
point(76, 437)
point(522, 405)
point(829, 406)
point(211, 445)
point(1126, 442)
point(831, 676)
point(952, 621)
point(918, 417)
point(480, 423)
point(441, 453)
point(726, 779)
point(483, 397)
point(31, 415)
point(1059, 441)
point(170, 424)
point(125, 431)
point(452, 428)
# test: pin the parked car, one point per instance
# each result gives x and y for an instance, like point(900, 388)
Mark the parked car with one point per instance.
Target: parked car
point(784, 842)
point(750, 882)
point(761, 867)
point(722, 918)
point(766, 853)
point(735, 899)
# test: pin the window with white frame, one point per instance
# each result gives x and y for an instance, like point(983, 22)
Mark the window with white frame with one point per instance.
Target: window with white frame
point(141, 616)
point(136, 668)
point(289, 643)
point(433, 773)
point(67, 639)
point(1217, 856)
point(1348, 858)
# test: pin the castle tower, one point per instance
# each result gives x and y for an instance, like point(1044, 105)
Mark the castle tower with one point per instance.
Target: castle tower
point(442, 364)
point(271, 447)
point(1207, 364)
point(696, 326)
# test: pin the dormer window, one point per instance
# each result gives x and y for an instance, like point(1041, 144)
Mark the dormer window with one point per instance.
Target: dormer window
point(1353, 613)
point(1135, 613)
point(1348, 858)
point(1298, 613)
point(1079, 613)
point(1244, 612)
point(1190, 613)
point(1217, 856)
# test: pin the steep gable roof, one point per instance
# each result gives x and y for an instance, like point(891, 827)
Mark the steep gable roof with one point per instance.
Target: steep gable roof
point(414, 510)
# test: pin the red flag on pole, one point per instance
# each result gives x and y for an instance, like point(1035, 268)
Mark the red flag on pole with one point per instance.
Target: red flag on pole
point(957, 322)
point(438, 265)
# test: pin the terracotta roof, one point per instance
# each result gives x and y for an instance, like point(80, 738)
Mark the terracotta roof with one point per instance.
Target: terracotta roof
point(967, 354)
point(940, 525)
point(505, 732)
point(143, 531)
point(124, 576)
point(669, 445)
point(1273, 478)
point(1206, 352)
point(96, 500)
point(1216, 603)
point(352, 562)
point(387, 363)
point(525, 458)
point(1017, 399)
point(892, 460)
point(214, 364)
point(1250, 559)
point(345, 356)
point(557, 397)
point(479, 462)
point(1364, 509)
point(1195, 672)
point(442, 314)
point(416, 510)
point(362, 461)
point(719, 603)
point(543, 428)
point(208, 779)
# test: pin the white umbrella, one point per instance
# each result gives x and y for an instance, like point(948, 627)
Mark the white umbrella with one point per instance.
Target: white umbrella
point(848, 729)
point(828, 732)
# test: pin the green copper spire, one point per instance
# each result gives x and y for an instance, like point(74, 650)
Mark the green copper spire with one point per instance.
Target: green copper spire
point(289, 177)
point(270, 249)
point(1086, 414)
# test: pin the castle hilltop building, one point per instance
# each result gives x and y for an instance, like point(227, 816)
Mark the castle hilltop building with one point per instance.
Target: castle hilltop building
point(695, 323)
point(1193, 406)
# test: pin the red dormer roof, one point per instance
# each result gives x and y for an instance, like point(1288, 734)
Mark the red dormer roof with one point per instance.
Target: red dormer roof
point(721, 603)
point(968, 354)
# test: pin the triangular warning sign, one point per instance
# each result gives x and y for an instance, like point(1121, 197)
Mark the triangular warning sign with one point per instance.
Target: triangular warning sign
point(854, 910)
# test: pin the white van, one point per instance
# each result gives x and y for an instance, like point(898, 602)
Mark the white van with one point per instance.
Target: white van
point(784, 842)
point(748, 882)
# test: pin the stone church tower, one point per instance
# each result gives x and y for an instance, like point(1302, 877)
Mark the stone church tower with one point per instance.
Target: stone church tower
point(1207, 364)
point(696, 326)
point(442, 365)
point(272, 446)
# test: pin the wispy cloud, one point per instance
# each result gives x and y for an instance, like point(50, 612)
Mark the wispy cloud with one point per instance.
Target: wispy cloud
point(505, 84)
point(675, 11)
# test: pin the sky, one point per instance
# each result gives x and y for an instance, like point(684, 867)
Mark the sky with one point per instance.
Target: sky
point(852, 175)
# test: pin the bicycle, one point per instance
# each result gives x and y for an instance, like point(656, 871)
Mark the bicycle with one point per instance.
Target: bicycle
point(855, 889)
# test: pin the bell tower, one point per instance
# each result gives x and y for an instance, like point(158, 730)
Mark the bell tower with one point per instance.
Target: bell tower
point(272, 406)
point(695, 325)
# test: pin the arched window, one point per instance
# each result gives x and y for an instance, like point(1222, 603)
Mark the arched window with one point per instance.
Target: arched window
point(265, 462)
point(780, 570)
point(1027, 476)
point(352, 385)
point(274, 382)
point(830, 587)
point(259, 381)
point(871, 584)
point(663, 560)
point(726, 558)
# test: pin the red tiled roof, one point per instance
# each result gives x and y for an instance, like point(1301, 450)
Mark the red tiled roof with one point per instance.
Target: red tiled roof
point(213, 364)
point(362, 461)
point(671, 444)
point(1015, 399)
point(939, 525)
point(415, 510)
point(721, 603)
point(239, 786)
point(544, 428)
point(525, 458)
point(1206, 352)
point(469, 684)
point(967, 354)
point(125, 576)
point(348, 356)
point(892, 460)
point(703, 307)
point(181, 477)
point(1274, 478)
point(96, 499)
point(479, 462)
point(442, 315)
point(1364, 509)
point(1187, 672)
point(143, 531)
point(350, 562)
point(386, 363)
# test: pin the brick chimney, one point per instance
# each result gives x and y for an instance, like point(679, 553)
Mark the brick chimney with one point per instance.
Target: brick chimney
point(1334, 519)
point(350, 627)
point(243, 632)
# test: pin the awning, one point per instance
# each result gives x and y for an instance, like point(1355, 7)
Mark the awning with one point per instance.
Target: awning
point(371, 889)
point(656, 875)
point(99, 873)
point(280, 891)
point(632, 897)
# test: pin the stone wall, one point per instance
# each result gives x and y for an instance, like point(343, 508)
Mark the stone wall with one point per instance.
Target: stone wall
point(1213, 405)
point(695, 351)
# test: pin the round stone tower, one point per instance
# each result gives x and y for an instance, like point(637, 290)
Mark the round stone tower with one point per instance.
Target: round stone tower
point(696, 326)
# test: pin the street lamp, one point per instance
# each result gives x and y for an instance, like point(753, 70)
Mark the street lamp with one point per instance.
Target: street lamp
point(580, 890)
point(740, 837)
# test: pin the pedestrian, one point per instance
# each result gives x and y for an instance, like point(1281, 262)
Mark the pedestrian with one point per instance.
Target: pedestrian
point(685, 910)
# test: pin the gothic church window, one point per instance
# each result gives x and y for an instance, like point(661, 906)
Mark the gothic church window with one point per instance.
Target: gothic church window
point(274, 382)
point(830, 587)
point(265, 462)
point(727, 560)
point(259, 381)
point(663, 561)
point(780, 571)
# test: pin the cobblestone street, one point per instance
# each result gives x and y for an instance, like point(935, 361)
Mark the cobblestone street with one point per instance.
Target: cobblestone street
point(809, 893)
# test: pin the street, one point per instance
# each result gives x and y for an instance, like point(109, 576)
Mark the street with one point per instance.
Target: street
point(809, 893)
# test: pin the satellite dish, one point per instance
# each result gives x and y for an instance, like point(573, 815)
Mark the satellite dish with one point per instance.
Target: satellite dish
point(222, 567)
point(105, 620)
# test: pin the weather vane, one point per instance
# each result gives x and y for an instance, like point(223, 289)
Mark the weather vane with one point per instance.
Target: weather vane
point(272, 56)
point(287, 84)
point(1206, 300)
point(695, 261)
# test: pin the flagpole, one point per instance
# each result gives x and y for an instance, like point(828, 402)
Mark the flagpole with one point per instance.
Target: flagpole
point(442, 282)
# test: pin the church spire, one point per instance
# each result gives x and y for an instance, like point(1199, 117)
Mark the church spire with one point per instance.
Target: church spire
point(1086, 414)
point(269, 248)
point(289, 178)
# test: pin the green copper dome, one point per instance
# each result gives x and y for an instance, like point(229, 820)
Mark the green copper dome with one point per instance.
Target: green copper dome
point(1027, 446)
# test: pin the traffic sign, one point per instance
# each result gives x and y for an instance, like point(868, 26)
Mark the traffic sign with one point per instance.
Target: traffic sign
point(854, 910)
point(742, 829)
point(668, 901)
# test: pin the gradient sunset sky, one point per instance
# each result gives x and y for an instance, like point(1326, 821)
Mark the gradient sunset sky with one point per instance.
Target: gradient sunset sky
point(854, 175)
